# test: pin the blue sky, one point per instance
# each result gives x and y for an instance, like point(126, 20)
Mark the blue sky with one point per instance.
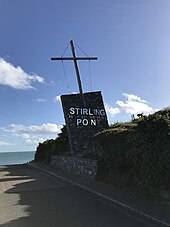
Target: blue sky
point(131, 39)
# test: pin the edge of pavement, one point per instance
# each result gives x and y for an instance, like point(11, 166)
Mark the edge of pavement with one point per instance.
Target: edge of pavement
point(155, 211)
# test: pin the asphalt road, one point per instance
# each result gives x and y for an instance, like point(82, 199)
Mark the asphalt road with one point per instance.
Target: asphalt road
point(31, 198)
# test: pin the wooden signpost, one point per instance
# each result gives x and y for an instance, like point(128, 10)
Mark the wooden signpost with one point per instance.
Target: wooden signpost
point(84, 113)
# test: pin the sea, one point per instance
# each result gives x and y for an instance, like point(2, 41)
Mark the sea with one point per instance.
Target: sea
point(12, 158)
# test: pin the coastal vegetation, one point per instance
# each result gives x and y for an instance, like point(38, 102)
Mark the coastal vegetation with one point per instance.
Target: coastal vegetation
point(58, 146)
point(135, 153)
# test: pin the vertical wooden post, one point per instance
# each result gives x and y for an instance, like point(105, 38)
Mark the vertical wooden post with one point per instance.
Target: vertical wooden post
point(75, 59)
point(77, 71)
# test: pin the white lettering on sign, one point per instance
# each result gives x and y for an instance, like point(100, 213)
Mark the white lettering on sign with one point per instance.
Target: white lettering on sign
point(86, 122)
point(79, 121)
point(89, 112)
point(93, 122)
point(86, 111)
point(72, 111)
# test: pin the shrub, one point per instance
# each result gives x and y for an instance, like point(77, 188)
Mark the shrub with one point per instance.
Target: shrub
point(53, 147)
point(138, 153)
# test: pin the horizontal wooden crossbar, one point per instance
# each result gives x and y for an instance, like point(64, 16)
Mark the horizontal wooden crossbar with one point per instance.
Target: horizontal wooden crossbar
point(69, 58)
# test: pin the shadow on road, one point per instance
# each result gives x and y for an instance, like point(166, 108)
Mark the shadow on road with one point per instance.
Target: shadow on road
point(31, 198)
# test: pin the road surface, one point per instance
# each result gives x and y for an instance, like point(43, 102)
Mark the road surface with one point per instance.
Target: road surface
point(32, 198)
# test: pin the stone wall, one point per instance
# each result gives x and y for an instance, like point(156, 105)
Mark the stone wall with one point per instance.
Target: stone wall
point(84, 167)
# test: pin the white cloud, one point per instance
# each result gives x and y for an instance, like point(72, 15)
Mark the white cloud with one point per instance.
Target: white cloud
point(32, 129)
point(40, 100)
point(110, 110)
point(57, 99)
point(16, 77)
point(132, 97)
point(6, 144)
point(34, 141)
point(25, 136)
point(30, 142)
point(135, 105)
point(33, 134)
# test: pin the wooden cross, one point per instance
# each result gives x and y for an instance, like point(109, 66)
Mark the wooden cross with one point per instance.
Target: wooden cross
point(75, 59)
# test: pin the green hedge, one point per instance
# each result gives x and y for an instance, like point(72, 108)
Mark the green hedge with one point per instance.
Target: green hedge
point(137, 153)
point(53, 147)
point(134, 153)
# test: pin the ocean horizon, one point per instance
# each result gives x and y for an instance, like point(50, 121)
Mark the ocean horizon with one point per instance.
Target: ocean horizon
point(16, 157)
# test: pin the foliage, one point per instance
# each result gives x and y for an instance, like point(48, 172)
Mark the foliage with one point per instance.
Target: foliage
point(133, 153)
point(53, 147)
point(138, 152)
point(91, 155)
